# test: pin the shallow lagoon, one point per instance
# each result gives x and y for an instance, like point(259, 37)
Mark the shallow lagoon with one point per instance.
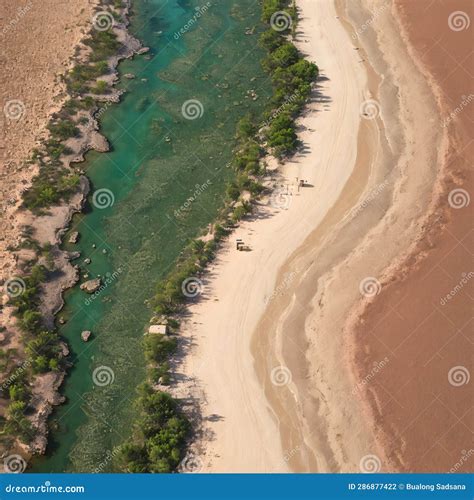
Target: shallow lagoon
point(159, 159)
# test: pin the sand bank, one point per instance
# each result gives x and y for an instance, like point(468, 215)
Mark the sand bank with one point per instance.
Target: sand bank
point(421, 401)
point(242, 430)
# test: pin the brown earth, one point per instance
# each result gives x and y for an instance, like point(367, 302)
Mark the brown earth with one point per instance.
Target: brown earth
point(38, 41)
point(422, 399)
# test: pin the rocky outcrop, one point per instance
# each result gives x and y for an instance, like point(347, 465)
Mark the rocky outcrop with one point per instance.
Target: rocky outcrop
point(85, 335)
point(44, 397)
point(91, 286)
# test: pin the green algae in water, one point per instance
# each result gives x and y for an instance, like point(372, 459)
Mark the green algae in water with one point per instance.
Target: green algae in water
point(159, 159)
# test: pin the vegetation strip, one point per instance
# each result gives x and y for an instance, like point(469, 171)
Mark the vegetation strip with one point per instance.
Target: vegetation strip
point(161, 432)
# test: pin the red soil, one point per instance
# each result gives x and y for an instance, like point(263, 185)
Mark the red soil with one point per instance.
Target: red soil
point(424, 421)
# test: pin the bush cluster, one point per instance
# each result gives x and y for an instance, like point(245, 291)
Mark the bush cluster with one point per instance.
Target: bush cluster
point(159, 435)
point(42, 351)
point(292, 77)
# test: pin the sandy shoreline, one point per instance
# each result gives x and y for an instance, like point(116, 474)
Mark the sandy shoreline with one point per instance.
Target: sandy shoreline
point(29, 129)
point(245, 430)
point(273, 354)
point(31, 92)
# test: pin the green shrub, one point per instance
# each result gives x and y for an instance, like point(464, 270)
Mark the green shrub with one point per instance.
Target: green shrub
point(63, 129)
point(158, 348)
point(160, 435)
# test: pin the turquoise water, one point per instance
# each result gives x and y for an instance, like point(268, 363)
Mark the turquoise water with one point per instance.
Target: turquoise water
point(158, 160)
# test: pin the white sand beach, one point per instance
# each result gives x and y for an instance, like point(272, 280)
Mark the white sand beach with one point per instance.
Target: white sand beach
point(245, 430)
point(270, 352)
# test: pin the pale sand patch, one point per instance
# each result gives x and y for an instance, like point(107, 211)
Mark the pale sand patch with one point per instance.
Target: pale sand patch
point(244, 429)
point(329, 417)
point(38, 39)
